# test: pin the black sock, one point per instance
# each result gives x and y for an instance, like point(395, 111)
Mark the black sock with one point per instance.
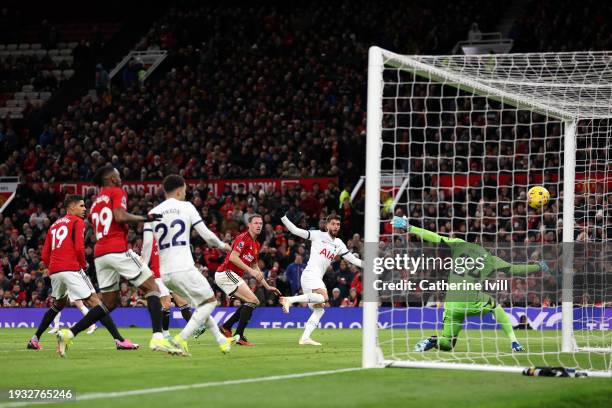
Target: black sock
point(245, 315)
point(46, 321)
point(233, 319)
point(94, 314)
point(186, 312)
point(108, 322)
point(165, 319)
point(155, 310)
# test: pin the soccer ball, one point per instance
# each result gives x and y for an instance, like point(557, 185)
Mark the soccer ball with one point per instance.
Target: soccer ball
point(537, 197)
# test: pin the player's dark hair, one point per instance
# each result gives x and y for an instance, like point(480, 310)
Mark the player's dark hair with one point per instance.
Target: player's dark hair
point(172, 182)
point(253, 216)
point(71, 199)
point(102, 173)
point(332, 217)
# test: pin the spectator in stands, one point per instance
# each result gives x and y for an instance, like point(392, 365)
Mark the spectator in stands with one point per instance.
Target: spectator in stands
point(336, 299)
point(293, 273)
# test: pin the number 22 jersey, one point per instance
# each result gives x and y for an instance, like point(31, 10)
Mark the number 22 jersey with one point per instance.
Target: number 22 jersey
point(111, 237)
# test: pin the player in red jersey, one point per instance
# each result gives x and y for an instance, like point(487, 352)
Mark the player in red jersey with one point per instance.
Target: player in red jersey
point(150, 255)
point(64, 255)
point(243, 258)
point(113, 260)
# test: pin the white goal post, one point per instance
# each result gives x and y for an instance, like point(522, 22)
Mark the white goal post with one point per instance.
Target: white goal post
point(475, 132)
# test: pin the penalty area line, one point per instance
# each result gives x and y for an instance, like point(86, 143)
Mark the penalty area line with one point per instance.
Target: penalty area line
point(172, 388)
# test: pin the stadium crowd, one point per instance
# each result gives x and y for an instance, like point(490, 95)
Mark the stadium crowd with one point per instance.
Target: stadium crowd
point(278, 93)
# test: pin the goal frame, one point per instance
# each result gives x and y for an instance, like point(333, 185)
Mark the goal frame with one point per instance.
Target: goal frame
point(372, 356)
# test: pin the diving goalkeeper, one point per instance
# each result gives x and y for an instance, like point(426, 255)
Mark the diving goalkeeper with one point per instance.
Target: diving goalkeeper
point(473, 303)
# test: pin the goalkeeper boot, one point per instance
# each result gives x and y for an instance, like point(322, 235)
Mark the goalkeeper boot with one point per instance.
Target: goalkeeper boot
point(64, 340)
point(426, 344)
point(516, 346)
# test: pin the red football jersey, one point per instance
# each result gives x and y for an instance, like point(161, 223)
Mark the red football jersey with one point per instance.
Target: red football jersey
point(64, 248)
point(154, 261)
point(110, 235)
point(248, 249)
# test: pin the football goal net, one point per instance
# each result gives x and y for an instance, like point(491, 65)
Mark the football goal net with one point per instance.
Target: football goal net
point(469, 135)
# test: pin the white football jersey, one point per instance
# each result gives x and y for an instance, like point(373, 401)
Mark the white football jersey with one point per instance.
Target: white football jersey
point(172, 234)
point(322, 252)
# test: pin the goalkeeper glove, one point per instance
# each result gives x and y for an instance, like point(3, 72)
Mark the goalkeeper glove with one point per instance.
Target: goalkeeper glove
point(544, 267)
point(153, 217)
point(400, 222)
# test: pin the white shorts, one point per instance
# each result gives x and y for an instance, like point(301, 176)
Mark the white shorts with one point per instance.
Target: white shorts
point(110, 267)
point(190, 284)
point(75, 284)
point(163, 289)
point(228, 282)
point(310, 283)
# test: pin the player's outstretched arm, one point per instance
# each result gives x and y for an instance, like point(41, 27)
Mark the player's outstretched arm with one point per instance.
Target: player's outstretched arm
point(210, 238)
point(147, 243)
point(520, 269)
point(124, 217)
point(302, 233)
point(350, 257)
point(425, 235)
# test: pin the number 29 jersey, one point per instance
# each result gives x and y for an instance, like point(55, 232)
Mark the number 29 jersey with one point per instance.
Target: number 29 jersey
point(111, 237)
point(172, 234)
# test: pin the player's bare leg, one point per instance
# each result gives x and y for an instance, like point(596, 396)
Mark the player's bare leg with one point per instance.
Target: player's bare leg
point(50, 314)
point(243, 314)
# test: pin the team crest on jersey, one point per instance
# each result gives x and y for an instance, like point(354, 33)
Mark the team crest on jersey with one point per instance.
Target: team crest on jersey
point(241, 245)
point(123, 202)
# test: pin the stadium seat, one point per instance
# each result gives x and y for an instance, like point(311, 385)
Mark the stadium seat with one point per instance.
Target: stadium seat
point(53, 53)
point(27, 88)
point(11, 47)
point(24, 46)
point(19, 95)
point(62, 45)
point(68, 73)
point(66, 51)
point(45, 96)
point(36, 46)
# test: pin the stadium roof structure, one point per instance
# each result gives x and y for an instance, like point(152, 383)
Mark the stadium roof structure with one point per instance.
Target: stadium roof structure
point(566, 85)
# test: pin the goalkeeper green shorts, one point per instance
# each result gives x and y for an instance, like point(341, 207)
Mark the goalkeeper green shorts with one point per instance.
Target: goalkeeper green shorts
point(456, 312)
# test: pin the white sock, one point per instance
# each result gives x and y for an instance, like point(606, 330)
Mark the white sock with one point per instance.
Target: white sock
point(197, 319)
point(211, 325)
point(313, 322)
point(166, 333)
point(56, 321)
point(158, 336)
point(306, 298)
point(84, 310)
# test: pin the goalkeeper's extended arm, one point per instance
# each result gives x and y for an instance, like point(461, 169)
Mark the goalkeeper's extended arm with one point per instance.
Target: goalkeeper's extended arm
point(519, 269)
point(425, 235)
point(302, 233)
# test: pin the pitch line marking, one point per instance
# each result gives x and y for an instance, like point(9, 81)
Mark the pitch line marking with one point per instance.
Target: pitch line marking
point(171, 388)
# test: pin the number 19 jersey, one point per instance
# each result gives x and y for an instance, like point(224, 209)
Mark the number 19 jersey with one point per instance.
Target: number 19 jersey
point(111, 237)
point(172, 234)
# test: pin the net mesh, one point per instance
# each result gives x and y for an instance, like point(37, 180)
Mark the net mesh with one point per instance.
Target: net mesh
point(463, 139)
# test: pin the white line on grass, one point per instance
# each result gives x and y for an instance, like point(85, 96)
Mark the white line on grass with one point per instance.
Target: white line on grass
point(171, 388)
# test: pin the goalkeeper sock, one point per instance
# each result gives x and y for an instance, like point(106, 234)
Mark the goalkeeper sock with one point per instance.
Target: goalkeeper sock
point(445, 344)
point(313, 322)
point(186, 312)
point(502, 318)
point(211, 325)
point(245, 315)
point(50, 314)
point(201, 314)
point(306, 298)
point(233, 319)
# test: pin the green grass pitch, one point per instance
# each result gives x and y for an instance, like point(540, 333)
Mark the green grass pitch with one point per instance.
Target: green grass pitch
point(94, 366)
